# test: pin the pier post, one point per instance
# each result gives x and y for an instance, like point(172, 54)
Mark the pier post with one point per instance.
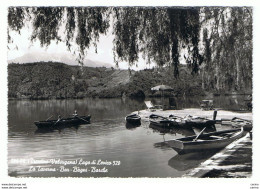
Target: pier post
point(215, 114)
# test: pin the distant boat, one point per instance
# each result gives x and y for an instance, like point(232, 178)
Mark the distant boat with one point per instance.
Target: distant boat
point(133, 119)
point(209, 141)
point(63, 122)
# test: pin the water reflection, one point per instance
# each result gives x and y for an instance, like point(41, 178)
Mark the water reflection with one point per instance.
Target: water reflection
point(188, 161)
point(161, 145)
point(73, 128)
point(173, 130)
point(141, 149)
point(131, 126)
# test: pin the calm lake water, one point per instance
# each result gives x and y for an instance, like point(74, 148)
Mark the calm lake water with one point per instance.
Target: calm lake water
point(105, 148)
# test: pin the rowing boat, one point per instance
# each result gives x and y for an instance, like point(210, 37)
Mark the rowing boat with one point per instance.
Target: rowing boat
point(209, 141)
point(175, 121)
point(159, 121)
point(133, 119)
point(193, 121)
point(77, 120)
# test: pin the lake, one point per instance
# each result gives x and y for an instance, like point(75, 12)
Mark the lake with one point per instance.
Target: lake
point(105, 148)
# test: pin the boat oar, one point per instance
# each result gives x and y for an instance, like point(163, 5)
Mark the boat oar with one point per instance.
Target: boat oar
point(49, 118)
point(81, 119)
point(57, 121)
point(199, 134)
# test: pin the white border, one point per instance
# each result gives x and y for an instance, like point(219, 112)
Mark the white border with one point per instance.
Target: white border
point(33, 183)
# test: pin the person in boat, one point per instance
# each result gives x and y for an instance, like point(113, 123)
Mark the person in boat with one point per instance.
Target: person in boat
point(75, 114)
point(59, 118)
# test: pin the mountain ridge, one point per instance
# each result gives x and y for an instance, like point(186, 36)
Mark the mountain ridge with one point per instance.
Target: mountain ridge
point(65, 58)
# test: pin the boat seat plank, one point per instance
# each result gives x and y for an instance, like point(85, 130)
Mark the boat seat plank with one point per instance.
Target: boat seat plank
point(218, 137)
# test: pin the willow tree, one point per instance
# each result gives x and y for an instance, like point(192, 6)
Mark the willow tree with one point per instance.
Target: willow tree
point(156, 33)
point(214, 39)
point(227, 42)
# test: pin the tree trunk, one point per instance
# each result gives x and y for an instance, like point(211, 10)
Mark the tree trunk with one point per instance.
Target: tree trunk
point(237, 74)
point(203, 79)
point(217, 77)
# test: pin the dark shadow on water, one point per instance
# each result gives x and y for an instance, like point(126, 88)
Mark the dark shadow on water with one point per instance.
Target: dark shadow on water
point(158, 129)
point(189, 161)
point(59, 129)
point(131, 126)
point(161, 145)
point(185, 132)
point(207, 130)
point(173, 130)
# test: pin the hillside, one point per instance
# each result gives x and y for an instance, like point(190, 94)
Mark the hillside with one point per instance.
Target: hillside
point(66, 58)
point(59, 81)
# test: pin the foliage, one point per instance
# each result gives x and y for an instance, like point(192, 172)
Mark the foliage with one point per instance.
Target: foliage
point(56, 80)
point(215, 42)
point(227, 48)
point(155, 32)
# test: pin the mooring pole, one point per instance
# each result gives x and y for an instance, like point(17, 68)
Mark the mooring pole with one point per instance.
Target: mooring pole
point(215, 114)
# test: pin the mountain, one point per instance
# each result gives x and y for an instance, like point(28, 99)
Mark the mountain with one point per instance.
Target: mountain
point(57, 57)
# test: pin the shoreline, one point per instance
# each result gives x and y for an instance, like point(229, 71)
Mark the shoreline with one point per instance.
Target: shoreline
point(155, 96)
point(221, 114)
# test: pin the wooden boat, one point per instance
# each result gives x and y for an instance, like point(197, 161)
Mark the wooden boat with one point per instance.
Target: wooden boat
point(77, 120)
point(209, 141)
point(199, 122)
point(175, 121)
point(159, 121)
point(133, 119)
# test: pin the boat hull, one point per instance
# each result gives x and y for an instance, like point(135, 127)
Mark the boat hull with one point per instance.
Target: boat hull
point(187, 145)
point(133, 119)
point(200, 123)
point(172, 122)
point(63, 122)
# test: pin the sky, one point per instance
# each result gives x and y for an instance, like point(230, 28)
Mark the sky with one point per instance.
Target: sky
point(22, 45)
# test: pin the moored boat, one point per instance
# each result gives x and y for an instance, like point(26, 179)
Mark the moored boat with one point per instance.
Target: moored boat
point(159, 121)
point(77, 120)
point(175, 121)
point(133, 119)
point(209, 141)
point(199, 121)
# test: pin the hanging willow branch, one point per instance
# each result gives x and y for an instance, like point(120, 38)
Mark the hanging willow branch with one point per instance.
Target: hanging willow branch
point(159, 34)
